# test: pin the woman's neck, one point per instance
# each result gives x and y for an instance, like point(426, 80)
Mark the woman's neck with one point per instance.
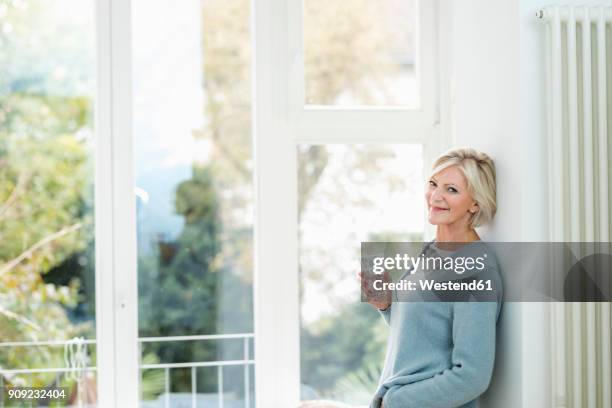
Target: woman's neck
point(448, 233)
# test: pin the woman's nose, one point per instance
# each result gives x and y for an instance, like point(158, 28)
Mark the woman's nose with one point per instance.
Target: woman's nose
point(436, 195)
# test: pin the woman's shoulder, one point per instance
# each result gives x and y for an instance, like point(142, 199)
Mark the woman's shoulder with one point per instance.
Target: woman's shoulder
point(487, 267)
point(482, 251)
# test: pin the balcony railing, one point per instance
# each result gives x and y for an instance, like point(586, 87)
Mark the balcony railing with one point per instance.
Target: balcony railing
point(79, 369)
point(246, 362)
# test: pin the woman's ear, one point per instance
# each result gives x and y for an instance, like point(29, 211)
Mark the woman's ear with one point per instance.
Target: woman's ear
point(474, 208)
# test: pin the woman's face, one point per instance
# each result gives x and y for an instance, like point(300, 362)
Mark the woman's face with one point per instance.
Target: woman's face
point(447, 197)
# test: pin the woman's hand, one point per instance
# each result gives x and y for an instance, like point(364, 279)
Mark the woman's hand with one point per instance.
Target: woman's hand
point(380, 299)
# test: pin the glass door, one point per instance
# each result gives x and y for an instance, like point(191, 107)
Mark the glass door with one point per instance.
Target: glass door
point(193, 165)
point(358, 193)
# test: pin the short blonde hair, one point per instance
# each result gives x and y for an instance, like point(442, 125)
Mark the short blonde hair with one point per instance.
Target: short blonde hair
point(479, 171)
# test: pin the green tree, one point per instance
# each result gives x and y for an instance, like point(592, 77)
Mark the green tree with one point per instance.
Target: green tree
point(45, 193)
point(181, 295)
point(339, 344)
point(349, 47)
point(43, 222)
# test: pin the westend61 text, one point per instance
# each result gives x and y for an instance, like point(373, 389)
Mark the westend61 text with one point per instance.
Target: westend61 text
point(429, 284)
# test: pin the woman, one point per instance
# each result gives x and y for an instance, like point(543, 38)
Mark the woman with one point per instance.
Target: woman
point(440, 354)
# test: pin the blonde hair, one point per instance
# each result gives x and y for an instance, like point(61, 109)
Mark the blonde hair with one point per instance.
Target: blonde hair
point(479, 171)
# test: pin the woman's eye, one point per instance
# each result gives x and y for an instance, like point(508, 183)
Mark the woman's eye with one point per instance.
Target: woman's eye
point(431, 183)
point(452, 190)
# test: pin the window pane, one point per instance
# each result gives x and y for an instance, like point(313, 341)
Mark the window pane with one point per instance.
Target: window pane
point(349, 194)
point(193, 165)
point(361, 52)
point(47, 272)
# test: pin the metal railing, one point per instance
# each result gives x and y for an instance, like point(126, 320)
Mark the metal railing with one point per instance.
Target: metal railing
point(51, 343)
point(247, 361)
point(76, 357)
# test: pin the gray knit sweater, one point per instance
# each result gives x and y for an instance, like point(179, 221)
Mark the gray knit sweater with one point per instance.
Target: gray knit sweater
point(441, 353)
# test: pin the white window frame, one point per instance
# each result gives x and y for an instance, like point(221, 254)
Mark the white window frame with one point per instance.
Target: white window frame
point(115, 213)
point(281, 122)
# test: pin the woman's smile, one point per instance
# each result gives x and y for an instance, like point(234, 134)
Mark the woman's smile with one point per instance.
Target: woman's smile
point(437, 209)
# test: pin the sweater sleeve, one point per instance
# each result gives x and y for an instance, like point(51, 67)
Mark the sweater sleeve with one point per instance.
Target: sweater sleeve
point(472, 360)
point(386, 314)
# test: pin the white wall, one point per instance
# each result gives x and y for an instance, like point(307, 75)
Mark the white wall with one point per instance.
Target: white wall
point(484, 98)
point(485, 115)
point(497, 93)
point(535, 353)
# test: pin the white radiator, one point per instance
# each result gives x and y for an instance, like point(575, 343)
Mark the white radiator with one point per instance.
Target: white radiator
point(579, 70)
